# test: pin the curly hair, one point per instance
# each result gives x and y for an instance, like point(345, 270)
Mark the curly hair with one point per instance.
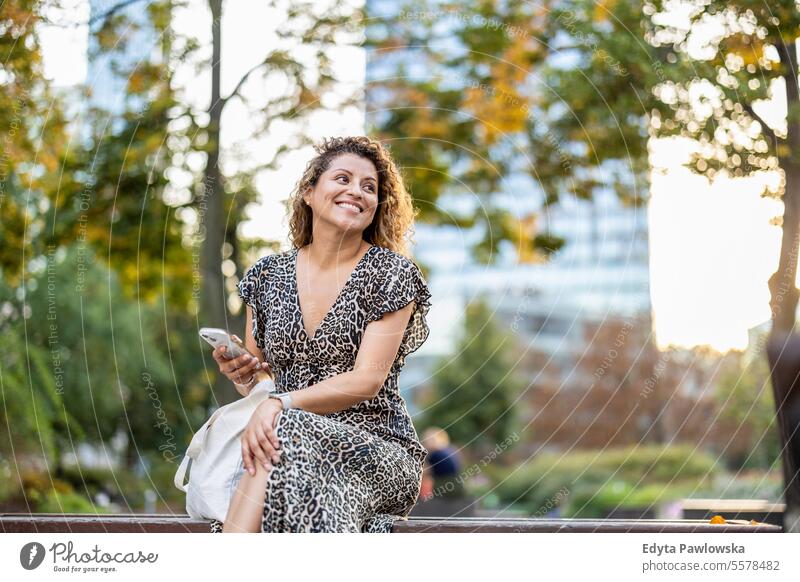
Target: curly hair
point(393, 224)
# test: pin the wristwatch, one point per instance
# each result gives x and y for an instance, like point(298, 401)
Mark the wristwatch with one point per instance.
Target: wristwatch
point(285, 398)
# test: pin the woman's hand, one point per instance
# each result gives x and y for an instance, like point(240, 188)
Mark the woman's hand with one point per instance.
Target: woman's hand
point(259, 440)
point(238, 370)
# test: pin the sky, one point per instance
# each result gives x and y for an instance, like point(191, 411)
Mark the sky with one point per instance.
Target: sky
point(712, 247)
point(712, 251)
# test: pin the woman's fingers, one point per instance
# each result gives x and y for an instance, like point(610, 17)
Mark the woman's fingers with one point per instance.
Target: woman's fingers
point(272, 435)
point(241, 361)
point(230, 366)
point(239, 368)
point(269, 454)
point(267, 420)
point(252, 453)
point(253, 364)
point(247, 457)
point(270, 446)
point(261, 450)
point(217, 354)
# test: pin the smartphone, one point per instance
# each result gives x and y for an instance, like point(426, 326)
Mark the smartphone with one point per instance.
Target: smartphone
point(219, 337)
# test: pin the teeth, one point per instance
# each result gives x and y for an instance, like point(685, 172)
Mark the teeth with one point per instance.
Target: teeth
point(356, 208)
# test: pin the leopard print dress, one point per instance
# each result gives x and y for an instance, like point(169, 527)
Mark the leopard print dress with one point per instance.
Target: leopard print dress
point(359, 469)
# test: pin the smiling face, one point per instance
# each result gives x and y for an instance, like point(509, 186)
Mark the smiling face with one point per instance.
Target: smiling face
point(346, 194)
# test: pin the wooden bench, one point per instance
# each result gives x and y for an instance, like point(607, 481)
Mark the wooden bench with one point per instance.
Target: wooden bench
point(758, 509)
point(166, 523)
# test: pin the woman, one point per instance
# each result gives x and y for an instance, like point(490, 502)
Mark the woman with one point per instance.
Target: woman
point(333, 319)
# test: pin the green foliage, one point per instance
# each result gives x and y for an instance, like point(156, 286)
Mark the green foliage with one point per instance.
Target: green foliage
point(34, 138)
point(124, 486)
point(46, 492)
point(745, 485)
point(54, 501)
point(102, 342)
point(34, 411)
point(599, 502)
point(89, 352)
point(589, 483)
point(129, 208)
point(86, 364)
point(473, 392)
point(744, 397)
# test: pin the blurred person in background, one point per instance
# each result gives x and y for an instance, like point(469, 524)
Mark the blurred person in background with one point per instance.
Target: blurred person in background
point(442, 466)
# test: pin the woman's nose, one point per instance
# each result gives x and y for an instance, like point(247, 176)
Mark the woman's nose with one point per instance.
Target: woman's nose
point(356, 194)
point(355, 191)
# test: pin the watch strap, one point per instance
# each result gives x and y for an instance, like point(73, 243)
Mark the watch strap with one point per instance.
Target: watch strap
point(285, 398)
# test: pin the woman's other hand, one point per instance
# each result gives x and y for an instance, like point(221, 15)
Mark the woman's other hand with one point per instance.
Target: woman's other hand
point(260, 442)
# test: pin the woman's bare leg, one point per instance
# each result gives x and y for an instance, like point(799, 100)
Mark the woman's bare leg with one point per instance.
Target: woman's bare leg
point(247, 505)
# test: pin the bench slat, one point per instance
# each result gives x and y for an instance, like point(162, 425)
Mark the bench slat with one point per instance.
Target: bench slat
point(166, 523)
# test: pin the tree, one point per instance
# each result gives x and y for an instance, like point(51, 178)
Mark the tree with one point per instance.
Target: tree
point(109, 358)
point(474, 393)
point(712, 90)
point(547, 94)
point(33, 144)
point(34, 413)
point(66, 201)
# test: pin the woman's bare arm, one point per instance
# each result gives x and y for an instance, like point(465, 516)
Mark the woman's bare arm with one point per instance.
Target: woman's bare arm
point(249, 340)
point(376, 354)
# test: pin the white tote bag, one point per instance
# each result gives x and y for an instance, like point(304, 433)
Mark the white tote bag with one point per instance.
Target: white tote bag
point(215, 456)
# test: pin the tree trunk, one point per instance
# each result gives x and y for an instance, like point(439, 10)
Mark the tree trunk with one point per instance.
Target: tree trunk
point(213, 305)
point(783, 345)
point(787, 393)
point(783, 292)
point(783, 353)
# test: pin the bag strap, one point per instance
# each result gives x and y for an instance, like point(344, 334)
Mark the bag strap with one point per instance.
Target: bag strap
point(198, 440)
point(180, 475)
point(194, 450)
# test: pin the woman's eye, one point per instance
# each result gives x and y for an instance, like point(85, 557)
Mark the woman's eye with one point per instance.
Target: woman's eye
point(370, 186)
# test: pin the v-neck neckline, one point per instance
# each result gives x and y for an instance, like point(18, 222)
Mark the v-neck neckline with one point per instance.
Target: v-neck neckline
point(296, 293)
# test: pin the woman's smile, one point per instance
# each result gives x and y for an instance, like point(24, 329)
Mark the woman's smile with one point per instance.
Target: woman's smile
point(349, 207)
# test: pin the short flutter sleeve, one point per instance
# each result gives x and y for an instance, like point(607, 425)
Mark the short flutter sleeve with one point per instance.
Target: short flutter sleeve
point(251, 285)
point(252, 290)
point(398, 282)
